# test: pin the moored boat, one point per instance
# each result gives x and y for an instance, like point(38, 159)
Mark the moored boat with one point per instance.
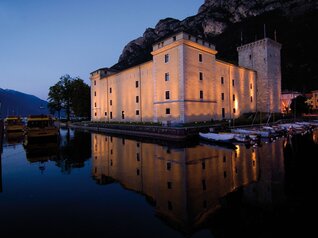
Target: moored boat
point(224, 139)
point(13, 124)
point(40, 127)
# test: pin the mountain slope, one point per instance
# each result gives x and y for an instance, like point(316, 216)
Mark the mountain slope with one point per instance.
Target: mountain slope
point(18, 103)
point(231, 23)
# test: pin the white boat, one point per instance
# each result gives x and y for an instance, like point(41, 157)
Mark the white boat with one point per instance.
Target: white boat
point(261, 133)
point(225, 137)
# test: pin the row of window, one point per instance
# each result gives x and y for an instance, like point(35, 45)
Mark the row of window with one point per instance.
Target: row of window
point(167, 58)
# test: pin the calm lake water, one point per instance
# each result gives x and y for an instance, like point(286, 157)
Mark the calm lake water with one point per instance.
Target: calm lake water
point(94, 185)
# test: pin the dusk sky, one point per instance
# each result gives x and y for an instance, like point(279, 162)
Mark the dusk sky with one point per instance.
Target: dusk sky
point(40, 41)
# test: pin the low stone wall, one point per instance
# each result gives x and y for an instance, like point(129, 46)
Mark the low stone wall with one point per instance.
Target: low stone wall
point(160, 132)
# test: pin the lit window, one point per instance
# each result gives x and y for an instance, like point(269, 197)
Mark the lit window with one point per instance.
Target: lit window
point(167, 77)
point(137, 84)
point(166, 58)
point(200, 57)
point(201, 76)
point(167, 111)
point(201, 94)
point(167, 95)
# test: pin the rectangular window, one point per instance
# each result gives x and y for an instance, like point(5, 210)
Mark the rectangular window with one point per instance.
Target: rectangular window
point(223, 113)
point(203, 165)
point(94, 82)
point(167, 77)
point(95, 93)
point(137, 112)
point(167, 111)
point(138, 172)
point(251, 86)
point(105, 114)
point(168, 165)
point(137, 157)
point(222, 96)
point(137, 84)
point(111, 115)
point(222, 80)
point(110, 90)
point(122, 115)
point(95, 104)
point(167, 95)
point(201, 76)
point(201, 94)
point(137, 99)
point(200, 57)
point(174, 38)
point(95, 114)
point(233, 82)
point(251, 98)
point(233, 97)
point(110, 102)
point(169, 185)
point(234, 111)
point(166, 58)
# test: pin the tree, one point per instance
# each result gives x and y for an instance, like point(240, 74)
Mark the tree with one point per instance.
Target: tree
point(70, 94)
point(81, 99)
point(299, 106)
point(55, 100)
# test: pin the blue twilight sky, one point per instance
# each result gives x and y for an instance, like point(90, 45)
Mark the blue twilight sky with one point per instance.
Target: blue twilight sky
point(41, 40)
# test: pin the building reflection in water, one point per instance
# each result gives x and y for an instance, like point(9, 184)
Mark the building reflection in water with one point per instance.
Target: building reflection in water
point(185, 185)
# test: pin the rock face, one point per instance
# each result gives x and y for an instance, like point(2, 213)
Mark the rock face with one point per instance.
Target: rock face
point(214, 20)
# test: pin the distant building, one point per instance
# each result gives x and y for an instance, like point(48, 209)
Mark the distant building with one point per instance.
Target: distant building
point(314, 100)
point(286, 99)
point(184, 82)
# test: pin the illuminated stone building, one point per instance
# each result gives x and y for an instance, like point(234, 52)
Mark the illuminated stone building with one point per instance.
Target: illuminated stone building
point(184, 82)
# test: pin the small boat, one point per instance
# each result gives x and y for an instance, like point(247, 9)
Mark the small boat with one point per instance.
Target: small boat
point(40, 127)
point(13, 124)
point(224, 139)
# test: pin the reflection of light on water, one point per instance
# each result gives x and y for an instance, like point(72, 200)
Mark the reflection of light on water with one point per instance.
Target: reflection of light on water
point(315, 136)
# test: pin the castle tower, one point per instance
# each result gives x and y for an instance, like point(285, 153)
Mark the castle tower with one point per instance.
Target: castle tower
point(263, 56)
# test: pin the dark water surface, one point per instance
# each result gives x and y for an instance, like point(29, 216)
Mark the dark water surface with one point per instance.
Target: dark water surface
point(93, 185)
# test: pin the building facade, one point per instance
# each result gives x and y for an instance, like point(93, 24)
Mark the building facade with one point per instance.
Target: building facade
point(186, 83)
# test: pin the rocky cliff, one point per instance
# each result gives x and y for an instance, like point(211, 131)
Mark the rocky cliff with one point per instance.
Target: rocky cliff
point(229, 23)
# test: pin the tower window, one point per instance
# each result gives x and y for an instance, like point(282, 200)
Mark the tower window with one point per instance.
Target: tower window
point(137, 84)
point(201, 76)
point(137, 99)
point(251, 98)
point(168, 165)
point(111, 115)
point(174, 38)
point(122, 114)
point(222, 80)
point(105, 114)
point(167, 77)
point(110, 90)
point(234, 110)
point(94, 82)
point(222, 96)
point(166, 58)
point(167, 111)
point(251, 86)
point(233, 97)
point(95, 104)
point(233, 82)
point(201, 94)
point(223, 113)
point(95, 93)
point(137, 112)
point(167, 95)
point(200, 57)
point(110, 102)
point(169, 185)
point(95, 114)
